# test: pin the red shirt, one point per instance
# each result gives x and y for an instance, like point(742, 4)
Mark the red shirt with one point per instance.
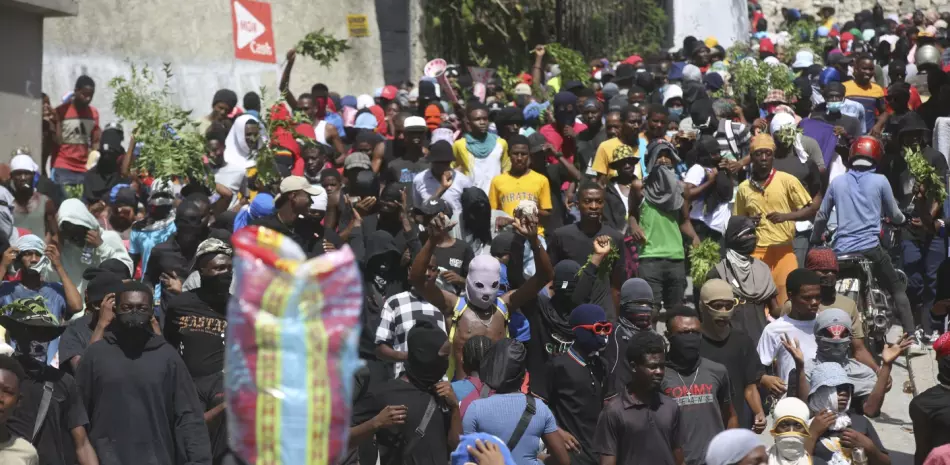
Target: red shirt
point(80, 128)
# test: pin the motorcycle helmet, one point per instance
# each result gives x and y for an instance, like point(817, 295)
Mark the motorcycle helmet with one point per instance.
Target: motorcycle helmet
point(829, 74)
point(927, 54)
point(866, 149)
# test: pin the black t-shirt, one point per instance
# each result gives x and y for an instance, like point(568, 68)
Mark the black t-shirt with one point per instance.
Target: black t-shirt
point(402, 171)
point(432, 448)
point(570, 243)
point(54, 442)
point(453, 258)
point(807, 172)
point(930, 412)
point(74, 341)
point(575, 393)
point(587, 142)
point(166, 257)
point(738, 354)
point(543, 346)
point(903, 184)
point(859, 423)
point(197, 333)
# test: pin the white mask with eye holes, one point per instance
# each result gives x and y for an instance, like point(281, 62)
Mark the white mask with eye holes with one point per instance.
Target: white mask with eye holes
point(481, 285)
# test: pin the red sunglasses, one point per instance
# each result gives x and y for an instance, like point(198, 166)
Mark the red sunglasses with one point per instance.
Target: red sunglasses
point(598, 328)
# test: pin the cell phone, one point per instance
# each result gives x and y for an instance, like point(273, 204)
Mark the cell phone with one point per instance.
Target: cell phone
point(354, 198)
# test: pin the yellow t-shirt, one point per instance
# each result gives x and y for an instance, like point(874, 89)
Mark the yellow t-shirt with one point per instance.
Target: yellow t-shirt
point(507, 192)
point(784, 194)
point(605, 156)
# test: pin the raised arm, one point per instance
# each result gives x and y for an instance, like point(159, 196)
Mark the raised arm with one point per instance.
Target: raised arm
point(528, 228)
point(284, 87)
point(439, 228)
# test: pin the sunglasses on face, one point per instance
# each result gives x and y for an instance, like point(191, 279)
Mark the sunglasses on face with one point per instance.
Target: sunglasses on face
point(722, 305)
point(603, 329)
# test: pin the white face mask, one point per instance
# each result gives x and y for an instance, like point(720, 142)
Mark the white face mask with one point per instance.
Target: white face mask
point(790, 446)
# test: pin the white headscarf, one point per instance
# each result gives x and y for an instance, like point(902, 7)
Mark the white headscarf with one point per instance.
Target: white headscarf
point(236, 150)
point(32, 242)
point(783, 120)
point(75, 212)
point(23, 163)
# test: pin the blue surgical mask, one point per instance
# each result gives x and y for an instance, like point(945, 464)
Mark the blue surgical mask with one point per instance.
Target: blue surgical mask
point(677, 112)
point(835, 107)
point(670, 134)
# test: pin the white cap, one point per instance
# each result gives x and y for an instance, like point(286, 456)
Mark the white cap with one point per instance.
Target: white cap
point(414, 122)
point(803, 59)
point(672, 91)
point(319, 199)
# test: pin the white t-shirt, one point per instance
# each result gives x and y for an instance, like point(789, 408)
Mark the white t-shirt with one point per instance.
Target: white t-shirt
point(770, 344)
point(719, 217)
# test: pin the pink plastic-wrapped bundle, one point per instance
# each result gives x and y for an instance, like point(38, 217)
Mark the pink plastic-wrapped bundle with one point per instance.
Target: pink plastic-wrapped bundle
point(292, 337)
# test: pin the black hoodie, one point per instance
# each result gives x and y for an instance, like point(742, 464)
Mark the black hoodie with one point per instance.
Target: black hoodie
point(383, 277)
point(142, 405)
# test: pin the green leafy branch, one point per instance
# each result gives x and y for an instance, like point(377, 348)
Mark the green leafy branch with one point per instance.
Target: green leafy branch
point(172, 146)
point(925, 174)
point(607, 264)
point(572, 64)
point(322, 47)
point(702, 259)
point(751, 81)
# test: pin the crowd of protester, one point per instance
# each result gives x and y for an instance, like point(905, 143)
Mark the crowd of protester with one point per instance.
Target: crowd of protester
point(563, 209)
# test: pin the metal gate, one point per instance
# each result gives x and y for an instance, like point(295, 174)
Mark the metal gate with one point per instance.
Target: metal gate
point(595, 28)
point(612, 28)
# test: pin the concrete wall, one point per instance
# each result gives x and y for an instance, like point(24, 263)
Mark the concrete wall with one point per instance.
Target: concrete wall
point(726, 20)
point(20, 86)
point(21, 32)
point(845, 9)
point(196, 38)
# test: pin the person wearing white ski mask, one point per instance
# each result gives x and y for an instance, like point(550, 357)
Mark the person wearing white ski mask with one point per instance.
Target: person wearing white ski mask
point(790, 417)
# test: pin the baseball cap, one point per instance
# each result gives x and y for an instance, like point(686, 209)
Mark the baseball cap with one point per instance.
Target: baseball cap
point(389, 92)
point(294, 184)
point(440, 151)
point(433, 207)
point(356, 160)
point(414, 122)
point(501, 244)
point(536, 142)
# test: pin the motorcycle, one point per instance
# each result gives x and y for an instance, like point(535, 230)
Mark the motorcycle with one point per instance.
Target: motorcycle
point(856, 280)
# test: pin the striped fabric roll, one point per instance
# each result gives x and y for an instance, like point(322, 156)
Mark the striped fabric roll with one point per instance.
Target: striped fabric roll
point(291, 350)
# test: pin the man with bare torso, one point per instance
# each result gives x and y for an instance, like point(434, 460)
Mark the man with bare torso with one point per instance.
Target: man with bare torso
point(489, 313)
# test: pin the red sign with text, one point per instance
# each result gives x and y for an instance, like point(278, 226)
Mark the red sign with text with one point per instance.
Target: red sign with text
point(253, 31)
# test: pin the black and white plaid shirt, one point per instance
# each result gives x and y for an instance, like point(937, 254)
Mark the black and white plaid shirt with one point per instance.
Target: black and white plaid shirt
point(399, 314)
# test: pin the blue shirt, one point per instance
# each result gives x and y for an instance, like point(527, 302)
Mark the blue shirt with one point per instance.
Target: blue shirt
point(53, 294)
point(859, 199)
point(462, 388)
point(142, 241)
point(499, 415)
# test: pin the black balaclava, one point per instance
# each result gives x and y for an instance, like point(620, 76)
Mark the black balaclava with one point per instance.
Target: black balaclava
point(424, 365)
point(476, 213)
point(740, 235)
point(565, 280)
point(683, 355)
